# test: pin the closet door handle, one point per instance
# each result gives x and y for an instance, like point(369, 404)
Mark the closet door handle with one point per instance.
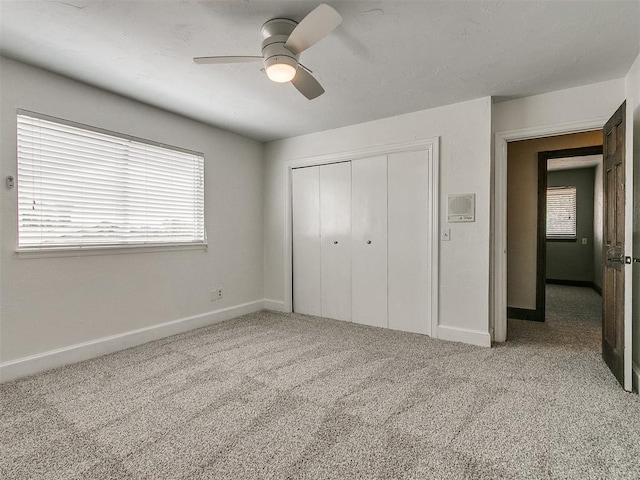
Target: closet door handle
point(335, 242)
point(368, 242)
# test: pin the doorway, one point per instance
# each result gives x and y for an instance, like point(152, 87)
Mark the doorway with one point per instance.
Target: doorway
point(570, 228)
point(526, 207)
point(559, 193)
point(570, 237)
point(616, 308)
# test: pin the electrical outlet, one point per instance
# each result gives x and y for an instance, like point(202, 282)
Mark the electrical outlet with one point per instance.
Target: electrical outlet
point(216, 294)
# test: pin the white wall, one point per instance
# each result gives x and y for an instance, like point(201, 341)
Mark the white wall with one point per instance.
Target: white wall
point(465, 136)
point(53, 303)
point(632, 89)
point(573, 105)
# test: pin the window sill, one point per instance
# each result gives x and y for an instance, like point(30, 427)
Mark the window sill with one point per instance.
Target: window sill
point(105, 250)
point(560, 239)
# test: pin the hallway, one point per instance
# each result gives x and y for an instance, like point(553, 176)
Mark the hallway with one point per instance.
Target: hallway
point(573, 321)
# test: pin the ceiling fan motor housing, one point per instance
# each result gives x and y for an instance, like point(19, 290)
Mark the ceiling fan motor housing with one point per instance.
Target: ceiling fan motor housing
point(284, 41)
point(275, 33)
point(278, 26)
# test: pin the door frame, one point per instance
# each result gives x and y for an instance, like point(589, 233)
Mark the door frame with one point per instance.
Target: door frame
point(498, 273)
point(541, 255)
point(431, 146)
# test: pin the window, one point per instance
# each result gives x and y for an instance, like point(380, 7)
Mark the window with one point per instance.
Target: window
point(561, 213)
point(80, 187)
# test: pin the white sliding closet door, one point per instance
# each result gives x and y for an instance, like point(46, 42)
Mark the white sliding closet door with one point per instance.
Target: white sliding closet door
point(369, 240)
point(335, 234)
point(306, 240)
point(408, 241)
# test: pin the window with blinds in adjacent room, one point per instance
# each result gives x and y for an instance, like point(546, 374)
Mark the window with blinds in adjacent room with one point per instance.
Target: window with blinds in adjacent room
point(83, 187)
point(561, 213)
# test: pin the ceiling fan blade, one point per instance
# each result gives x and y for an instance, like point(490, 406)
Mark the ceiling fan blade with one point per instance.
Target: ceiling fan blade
point(306, 84)
point(313, 28)
point(227, 59)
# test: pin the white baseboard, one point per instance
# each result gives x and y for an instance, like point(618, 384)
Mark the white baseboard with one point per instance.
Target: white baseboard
point(464, 335)
point(636, 377)
point(22, 367)
point(277, 305)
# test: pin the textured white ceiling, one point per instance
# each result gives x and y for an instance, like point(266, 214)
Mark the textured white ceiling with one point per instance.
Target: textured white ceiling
point(386, 58)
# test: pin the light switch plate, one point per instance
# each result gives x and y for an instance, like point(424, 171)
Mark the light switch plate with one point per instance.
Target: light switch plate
point(446, 235)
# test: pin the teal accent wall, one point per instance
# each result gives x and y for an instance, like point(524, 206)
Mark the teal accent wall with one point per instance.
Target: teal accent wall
point(574, 260)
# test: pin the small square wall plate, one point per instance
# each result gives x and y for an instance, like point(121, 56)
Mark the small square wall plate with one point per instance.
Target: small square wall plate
point(461, 207)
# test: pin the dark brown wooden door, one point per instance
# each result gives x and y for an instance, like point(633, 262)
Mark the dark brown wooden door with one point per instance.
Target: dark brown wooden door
point(613, 282)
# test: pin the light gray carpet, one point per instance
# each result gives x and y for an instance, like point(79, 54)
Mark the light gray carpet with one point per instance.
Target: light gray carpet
point(285, 396)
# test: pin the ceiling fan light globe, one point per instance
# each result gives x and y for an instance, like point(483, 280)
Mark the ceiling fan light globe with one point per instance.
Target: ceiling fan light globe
point(281, 72)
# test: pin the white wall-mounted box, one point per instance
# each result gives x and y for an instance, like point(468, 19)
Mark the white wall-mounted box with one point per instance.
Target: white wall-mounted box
point(461, 207)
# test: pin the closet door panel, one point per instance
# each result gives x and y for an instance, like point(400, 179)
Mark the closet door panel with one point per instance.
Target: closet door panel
point(408, 241)
point(369, 241)
point(335, 233)
point(306, 240)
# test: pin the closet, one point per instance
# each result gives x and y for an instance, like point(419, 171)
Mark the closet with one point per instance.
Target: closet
point(360, 240)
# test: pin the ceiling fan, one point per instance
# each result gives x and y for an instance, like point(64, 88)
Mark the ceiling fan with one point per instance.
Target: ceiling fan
point(284, 41)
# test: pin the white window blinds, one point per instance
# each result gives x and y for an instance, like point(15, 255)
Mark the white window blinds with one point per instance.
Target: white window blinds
point(79, 187)
point(561, 212)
